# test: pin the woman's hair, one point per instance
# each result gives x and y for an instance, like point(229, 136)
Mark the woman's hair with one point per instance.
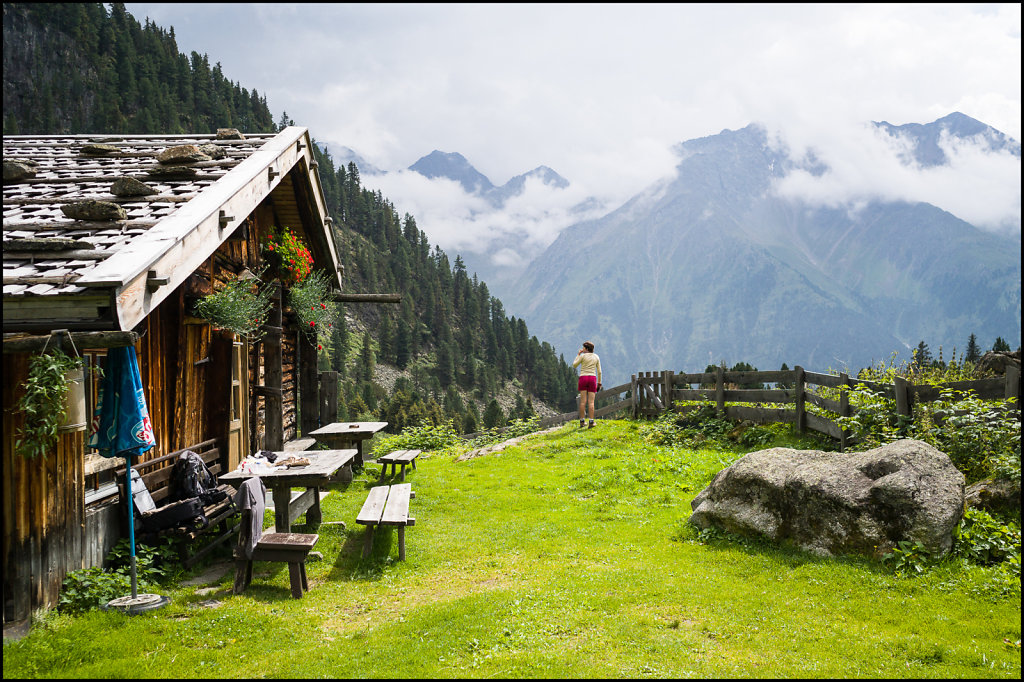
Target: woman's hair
point(589, 346)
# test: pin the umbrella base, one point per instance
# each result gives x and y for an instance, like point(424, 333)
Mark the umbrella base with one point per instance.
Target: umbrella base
point(138, 604)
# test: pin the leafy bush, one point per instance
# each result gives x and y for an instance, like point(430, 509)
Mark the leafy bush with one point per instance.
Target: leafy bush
point(515, 428)
point(984, 540)
point(93, 587)
point(981, 437)
point(426, 436)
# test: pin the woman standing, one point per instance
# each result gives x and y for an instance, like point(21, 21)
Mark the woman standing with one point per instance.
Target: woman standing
point(590, 379)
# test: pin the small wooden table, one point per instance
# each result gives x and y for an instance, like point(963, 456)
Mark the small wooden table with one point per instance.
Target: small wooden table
point(322, 470)
point(348, 434)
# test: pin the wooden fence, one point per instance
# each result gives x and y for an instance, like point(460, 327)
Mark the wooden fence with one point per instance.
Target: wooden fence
point(654, 392)
point(649, 394)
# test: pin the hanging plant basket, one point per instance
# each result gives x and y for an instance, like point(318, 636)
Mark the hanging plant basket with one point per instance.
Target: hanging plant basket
point(52, 378)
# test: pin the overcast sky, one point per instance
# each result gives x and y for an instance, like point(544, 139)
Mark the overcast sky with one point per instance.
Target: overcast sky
point(601, 93)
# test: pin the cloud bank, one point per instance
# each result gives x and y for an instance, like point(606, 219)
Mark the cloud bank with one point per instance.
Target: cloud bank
point(976, 184)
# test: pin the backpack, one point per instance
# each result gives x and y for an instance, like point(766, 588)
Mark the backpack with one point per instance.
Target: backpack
point(191, 478)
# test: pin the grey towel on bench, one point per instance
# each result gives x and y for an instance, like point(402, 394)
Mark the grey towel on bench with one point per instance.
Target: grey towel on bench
point(252, 494)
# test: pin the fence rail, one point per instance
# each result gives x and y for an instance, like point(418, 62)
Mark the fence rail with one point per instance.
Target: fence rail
point(654, 392)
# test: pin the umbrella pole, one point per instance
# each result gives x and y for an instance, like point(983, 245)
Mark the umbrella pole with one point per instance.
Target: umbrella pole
point(131, 524)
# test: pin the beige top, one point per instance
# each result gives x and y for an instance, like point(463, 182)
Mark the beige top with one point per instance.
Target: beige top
point(589, 364)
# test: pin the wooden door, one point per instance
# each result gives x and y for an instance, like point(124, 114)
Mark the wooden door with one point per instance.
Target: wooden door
point(238, 410)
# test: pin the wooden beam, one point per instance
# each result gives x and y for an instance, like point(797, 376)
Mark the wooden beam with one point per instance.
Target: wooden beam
point(31, 343)
point(367, 298)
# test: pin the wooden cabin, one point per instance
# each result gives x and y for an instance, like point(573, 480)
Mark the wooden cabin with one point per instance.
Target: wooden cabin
point(131, 276)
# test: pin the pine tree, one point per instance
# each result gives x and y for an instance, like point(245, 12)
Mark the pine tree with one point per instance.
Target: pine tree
point(973, 352)
point(493, 416)
point(922, 356)
point(1001, 345)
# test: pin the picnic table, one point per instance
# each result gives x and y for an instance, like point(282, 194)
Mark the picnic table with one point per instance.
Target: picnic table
point(323, 469)
point(348, 434)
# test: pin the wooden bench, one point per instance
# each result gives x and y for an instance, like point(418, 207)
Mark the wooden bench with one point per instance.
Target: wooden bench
point(398, 457)
point(387, 506)
point(156, 474)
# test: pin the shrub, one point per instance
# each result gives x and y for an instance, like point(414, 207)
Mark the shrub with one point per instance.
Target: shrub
point(426, 436)
point(93, 587)
point(985, 540)
point(515, 428)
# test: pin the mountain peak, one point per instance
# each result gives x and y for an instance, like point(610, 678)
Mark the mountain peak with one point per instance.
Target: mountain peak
point(926, 136)
point(454, 166)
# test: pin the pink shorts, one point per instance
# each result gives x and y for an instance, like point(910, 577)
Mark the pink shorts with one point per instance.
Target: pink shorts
point(587, 383)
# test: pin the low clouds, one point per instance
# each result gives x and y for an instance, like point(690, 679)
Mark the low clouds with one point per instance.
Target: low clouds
point(602, 92)
point(459, 222)
point(865, 163)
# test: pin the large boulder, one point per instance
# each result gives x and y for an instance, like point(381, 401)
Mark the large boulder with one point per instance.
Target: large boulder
point(838, 503)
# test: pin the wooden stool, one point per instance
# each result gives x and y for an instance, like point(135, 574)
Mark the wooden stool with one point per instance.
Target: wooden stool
point(291, 548)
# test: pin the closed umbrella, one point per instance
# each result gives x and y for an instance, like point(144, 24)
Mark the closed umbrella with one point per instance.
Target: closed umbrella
point(121, 428)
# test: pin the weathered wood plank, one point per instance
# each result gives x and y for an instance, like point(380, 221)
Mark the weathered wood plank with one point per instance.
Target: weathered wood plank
point(374, 506)
point(396, 510)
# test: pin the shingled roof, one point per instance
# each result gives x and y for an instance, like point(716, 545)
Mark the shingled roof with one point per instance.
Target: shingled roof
point(97, 230)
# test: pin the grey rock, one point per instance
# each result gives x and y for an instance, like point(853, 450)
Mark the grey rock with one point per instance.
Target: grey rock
point(229, 134)
point(182, 153)
point(997, 361)
point(19, 169)
point(172, 173)
point(98, 150)
point(212, 150)
point(838, 503)
point(127, 186)
point(94, 210)
point(1001, 496)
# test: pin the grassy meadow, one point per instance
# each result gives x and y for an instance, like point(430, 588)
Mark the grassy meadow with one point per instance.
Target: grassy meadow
point(565, 556)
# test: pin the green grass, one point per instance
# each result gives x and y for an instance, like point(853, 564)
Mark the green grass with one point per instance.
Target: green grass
point(566, 556)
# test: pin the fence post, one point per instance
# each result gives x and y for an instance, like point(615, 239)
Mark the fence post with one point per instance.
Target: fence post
point(720, 389)
point(634, 401)
point(902, 389)
point(1013, 384)
point(801, 413)
point(844, 407)
point(667, 377)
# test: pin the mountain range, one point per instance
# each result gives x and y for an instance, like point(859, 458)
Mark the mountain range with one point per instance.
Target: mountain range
point(714, 266)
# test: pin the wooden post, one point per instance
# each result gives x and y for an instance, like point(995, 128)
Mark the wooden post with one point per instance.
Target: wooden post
point(309, 395)
point(328, 398)
point(801, 412)
point(903, 408)
point(844, 407)
point(667, 379)
point(720, 389)
point(633, 398)
point(273, 374)
point(1013, 384)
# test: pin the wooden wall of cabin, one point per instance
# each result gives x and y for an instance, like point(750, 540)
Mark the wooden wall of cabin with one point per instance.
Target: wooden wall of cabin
point(43, 509)
point(186, 364)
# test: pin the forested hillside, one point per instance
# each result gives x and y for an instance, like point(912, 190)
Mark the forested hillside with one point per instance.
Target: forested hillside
point(449, 348)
